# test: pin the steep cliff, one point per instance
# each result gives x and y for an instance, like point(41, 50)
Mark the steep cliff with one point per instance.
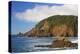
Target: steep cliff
point(58, 25)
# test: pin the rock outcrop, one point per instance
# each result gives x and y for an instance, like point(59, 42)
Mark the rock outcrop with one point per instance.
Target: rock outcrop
point(60, 44)
point(20, 34)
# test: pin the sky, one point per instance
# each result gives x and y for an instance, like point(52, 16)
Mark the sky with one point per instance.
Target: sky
point(25, 15)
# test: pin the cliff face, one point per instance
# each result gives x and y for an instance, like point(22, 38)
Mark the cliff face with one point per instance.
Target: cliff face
point(58, 25)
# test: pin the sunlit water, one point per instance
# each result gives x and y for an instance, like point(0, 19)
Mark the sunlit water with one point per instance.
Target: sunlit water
point(27, 44)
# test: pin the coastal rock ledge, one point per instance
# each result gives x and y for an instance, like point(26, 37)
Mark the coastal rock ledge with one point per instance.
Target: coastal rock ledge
point(60, 44)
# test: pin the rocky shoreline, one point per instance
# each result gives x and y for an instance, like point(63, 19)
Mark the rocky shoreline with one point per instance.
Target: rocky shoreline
point(60, 44)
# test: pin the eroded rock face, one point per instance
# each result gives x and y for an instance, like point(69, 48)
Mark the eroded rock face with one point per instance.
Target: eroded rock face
point(62, 30)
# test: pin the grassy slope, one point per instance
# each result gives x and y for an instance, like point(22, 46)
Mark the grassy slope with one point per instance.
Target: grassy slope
point(69, 20)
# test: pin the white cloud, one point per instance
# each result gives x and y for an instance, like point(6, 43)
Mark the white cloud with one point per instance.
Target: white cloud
point(40, 12)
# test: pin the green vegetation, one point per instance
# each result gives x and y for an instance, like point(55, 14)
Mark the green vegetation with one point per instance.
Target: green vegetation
point(60, 19)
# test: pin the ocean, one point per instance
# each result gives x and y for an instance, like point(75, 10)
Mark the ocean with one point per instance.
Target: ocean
point(27, 44)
